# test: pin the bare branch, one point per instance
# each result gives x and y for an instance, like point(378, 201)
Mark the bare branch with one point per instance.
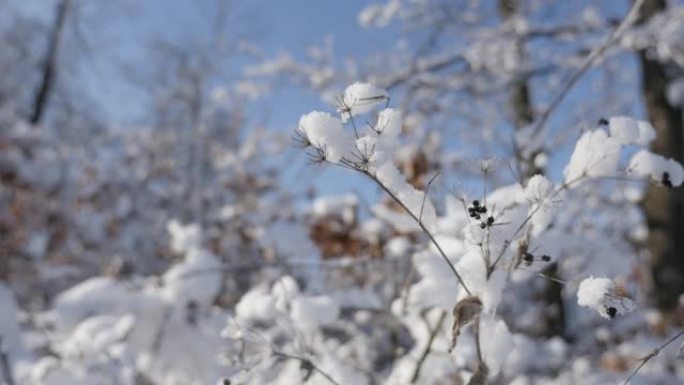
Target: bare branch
point(427, 190)
point(652, 354)
point(428, 348)
point(422, 227)
point(595, 54)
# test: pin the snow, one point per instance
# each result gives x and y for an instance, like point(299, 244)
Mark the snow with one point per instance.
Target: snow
point(197, 279)
point(543, 197)
point(326, 133)
point(596, 155)
point(309, 313)
point(183, 237)
point(343, 207)
point(654, 166)
point(93, 296)
point(360, 98)
point(389, 123)
point(599, 294)
point(256, 305)
point(675, 92)
point(389, 175)
point(497, 343)
point(627, 130)
point(11, 343)
point(624, 129)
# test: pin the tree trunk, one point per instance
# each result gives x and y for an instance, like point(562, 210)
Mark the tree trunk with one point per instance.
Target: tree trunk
point(663, 207)
point(520, 102)
point(519, 99)
point(49, 69)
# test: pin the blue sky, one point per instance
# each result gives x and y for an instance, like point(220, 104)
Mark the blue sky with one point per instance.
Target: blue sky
point(123, 37)
point(124, 34)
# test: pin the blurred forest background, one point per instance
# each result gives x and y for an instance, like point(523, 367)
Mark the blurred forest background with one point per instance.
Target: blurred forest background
point(129, 130)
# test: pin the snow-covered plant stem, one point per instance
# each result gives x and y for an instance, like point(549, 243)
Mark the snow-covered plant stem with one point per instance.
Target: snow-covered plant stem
point(419, 221)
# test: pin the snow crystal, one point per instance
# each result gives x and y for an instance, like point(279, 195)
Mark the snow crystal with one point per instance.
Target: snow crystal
point(648, 164)
point(360, 98)
point(326, 133)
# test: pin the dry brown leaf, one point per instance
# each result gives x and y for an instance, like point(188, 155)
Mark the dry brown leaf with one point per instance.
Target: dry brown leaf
point(464, 312)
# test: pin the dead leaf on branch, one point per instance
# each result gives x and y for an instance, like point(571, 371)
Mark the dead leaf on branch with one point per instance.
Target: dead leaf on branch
point(464, 312)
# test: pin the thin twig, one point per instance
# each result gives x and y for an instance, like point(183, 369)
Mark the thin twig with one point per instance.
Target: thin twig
point(508, 242)
point(478, 347)
point(428, 348)
point(424, 228)
point(425, 194)
point(595, 54)
point(652, 354)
